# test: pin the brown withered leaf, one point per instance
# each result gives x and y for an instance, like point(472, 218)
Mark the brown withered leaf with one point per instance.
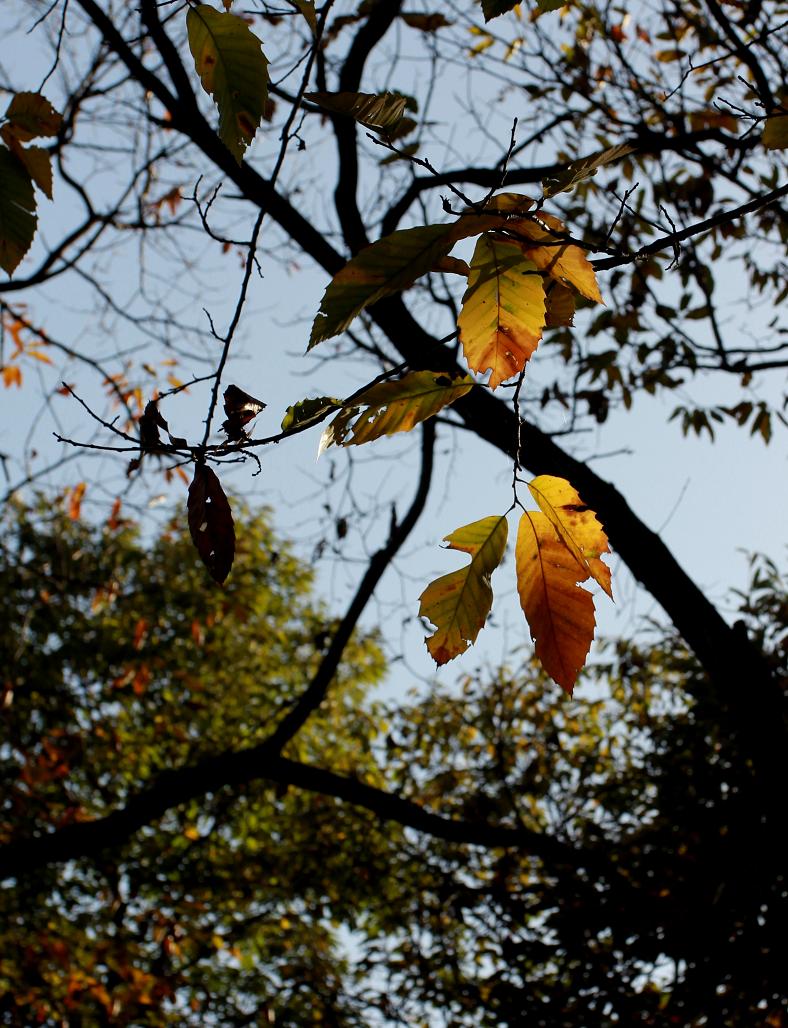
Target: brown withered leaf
point(240, 408)
point(150, 423)
point(211, 523)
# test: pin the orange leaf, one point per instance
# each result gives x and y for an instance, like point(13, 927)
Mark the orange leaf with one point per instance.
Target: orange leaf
point(559, 259)
point(12, 375)
point(575, 523)
point(75, 502)
point(560, 614)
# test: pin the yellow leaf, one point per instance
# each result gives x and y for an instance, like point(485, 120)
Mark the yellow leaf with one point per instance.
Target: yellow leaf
point(561, 260)
point(509, 203)
point(397, 406)
point(575, 523)
point(458, 603)
point(233, 69)
point(775, 134)
point(560, 614)
point(388, 266)
point(503, 309)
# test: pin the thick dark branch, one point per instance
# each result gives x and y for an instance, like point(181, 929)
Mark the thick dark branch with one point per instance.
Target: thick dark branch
point(366, 39)
point(90, 838)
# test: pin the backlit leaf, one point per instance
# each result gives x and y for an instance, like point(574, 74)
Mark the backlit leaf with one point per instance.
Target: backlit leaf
point(17, 211)
point(388, 266)
point(458, 603)
point(229, 59)
point(307, 8)
point(493, 8)
point(503, 309)
point(560, 305)
point(308, 411)
point(559, 612)
point(509, 203)
point(561, 260)
point(583, 168)
point(425, 22)
point(775, 134)
point(575, 523)
point(38, 165)
point(376, 110)
point(31, 115)
point(211, 523)
point(390, 407)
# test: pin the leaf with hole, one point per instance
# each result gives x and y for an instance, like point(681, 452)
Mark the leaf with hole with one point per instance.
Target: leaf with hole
point(211, 523)
point(458, 603)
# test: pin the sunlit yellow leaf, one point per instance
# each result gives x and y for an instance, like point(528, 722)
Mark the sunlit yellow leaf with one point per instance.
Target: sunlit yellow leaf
point(229, 59)
point(561, 260)
point(575, 523)
point(560, 613)
point(503, 309)
point(458, 603)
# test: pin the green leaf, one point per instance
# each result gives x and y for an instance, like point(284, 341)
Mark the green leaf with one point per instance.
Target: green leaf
point(17, 211)
point(425, 22)
point(503, 309)
point(396, 407)
point(583, 168)
point(307, 8)
point(233, 69)
point(458, 603)
point(375, 110)
point(31, 115)
point(494, 8)
point(308, 411)
point(386, 267)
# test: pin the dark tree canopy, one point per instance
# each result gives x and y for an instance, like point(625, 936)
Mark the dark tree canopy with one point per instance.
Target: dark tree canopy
point(210, 815)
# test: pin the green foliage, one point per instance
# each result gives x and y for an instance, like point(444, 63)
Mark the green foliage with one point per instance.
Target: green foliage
point(120, 664)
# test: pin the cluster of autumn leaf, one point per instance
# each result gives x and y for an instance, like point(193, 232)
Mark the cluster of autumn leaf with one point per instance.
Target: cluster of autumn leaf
point(523, 276)
point(29, 116)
